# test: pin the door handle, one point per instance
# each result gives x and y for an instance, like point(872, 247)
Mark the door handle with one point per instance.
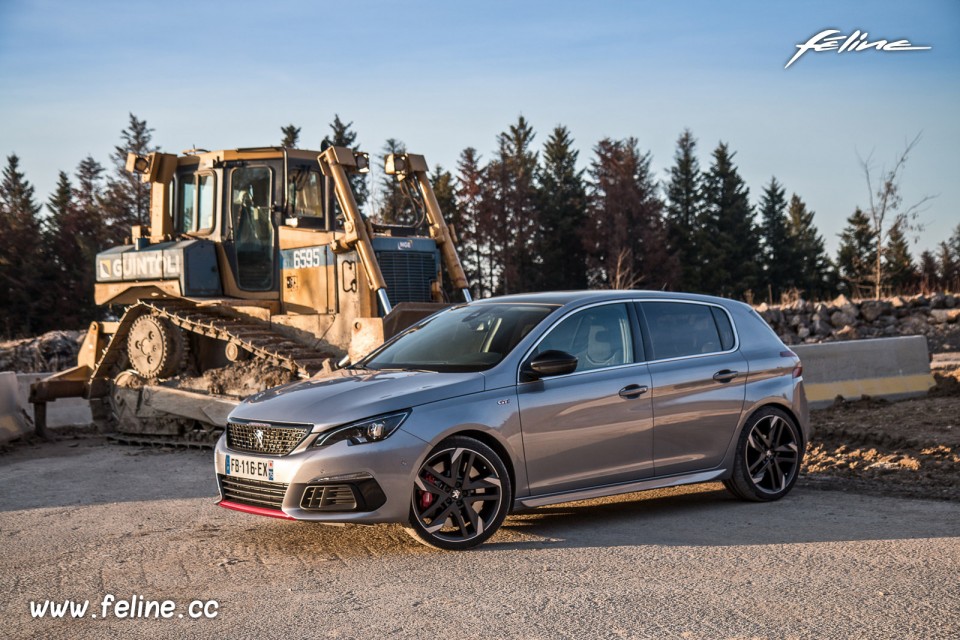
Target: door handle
point(633, 391)
point(725, 375)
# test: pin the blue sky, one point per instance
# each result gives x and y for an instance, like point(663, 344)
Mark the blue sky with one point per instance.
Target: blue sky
point(442, 76)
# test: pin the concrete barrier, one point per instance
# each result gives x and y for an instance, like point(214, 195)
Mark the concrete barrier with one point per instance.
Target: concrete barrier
point(890, 368)
point(13, 421)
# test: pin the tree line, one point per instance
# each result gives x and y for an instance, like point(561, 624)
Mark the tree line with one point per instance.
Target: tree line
point(527, 219)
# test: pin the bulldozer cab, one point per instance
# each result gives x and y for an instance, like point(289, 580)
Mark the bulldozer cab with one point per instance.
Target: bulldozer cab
point(239, 200)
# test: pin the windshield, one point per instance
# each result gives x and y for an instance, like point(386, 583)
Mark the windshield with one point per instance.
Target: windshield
point(466, 338)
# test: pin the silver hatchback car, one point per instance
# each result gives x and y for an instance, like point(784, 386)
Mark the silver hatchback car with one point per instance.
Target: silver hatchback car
point(523, 401)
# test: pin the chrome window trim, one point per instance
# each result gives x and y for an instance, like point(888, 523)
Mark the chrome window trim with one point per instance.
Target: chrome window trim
point(733, 325)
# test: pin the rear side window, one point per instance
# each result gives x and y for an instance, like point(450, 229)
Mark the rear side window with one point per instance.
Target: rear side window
point(727, 339)
point(680, 329)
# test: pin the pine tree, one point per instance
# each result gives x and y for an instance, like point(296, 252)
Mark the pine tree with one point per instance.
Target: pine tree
point(684, 207)
point(953, 248)
point(127, 199)
point(291, 135)
point(901, 275)
point(343, 136)
point(949, 268)
point(729, 238)
point(625, 234)
point(474, 237)
point(563, 205)
point(75, 235)
point(929, 276)
point(21, 258)
point(779, 262)
point(856, 256)
point(514, 220)
point(444, 189)
point(393, 206)
point(59, 258)
point(810, 267)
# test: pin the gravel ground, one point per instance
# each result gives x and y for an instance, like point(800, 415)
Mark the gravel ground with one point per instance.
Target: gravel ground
point(80, 519)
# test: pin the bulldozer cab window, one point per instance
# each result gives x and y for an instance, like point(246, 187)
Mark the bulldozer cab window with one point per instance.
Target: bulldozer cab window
point(253, 232)
point(206, 190)
point(185, 205)
point(304, 193)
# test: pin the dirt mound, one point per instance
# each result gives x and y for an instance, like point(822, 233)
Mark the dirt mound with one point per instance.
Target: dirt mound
point(909, 448)
point(239, 379)
point(948, 383)
point(53, 351)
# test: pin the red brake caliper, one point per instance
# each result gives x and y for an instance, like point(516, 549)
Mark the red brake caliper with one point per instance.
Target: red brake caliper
point(426, 498)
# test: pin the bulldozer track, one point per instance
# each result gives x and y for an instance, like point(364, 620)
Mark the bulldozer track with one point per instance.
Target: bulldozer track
point(254, 336)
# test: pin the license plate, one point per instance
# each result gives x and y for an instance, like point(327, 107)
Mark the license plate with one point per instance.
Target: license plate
point(242, 467)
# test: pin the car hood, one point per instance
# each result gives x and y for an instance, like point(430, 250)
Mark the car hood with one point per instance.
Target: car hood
point(347, 395)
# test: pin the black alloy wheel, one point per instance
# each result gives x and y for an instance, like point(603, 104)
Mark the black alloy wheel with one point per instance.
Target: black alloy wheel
point(768, 457)
point(461, 495)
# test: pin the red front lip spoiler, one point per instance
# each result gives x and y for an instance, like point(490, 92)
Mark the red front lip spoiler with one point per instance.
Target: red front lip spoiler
point(257, 511)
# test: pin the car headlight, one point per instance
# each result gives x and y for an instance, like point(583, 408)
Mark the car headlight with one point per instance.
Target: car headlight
point(370, 430)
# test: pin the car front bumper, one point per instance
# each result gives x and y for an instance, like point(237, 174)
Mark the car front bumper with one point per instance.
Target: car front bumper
point(381, 475)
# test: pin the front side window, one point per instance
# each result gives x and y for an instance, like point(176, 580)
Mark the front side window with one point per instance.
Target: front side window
point(206, 192)
point(599, 337)
point(252, 217)
point(680, 329)
point(467, 338)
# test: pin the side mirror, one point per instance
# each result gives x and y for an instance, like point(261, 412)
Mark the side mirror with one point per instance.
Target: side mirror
point(550, 363)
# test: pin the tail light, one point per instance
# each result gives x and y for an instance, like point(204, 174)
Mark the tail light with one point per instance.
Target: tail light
point(798, 367)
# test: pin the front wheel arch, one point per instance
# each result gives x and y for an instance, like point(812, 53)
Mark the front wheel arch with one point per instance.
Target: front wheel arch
point(497, 446)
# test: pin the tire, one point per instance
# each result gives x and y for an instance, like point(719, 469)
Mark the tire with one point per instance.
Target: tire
point(442, 513)
point(768, 457)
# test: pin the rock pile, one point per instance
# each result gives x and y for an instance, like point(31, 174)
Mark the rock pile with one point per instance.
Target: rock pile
point(53, 351)
point(936, 316)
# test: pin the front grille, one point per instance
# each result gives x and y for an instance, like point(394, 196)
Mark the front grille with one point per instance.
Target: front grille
point(334, 497)
point(261, 438)
point(257, 493)
point(408, 275)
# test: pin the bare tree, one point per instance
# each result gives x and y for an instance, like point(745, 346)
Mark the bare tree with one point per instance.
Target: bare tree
point(622, 275)
point(886, 208)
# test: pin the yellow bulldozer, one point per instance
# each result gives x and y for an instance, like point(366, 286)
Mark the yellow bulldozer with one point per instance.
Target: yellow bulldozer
point(249, 261)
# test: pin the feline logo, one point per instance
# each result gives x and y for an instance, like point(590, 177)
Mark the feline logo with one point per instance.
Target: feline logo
point(856, 41)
